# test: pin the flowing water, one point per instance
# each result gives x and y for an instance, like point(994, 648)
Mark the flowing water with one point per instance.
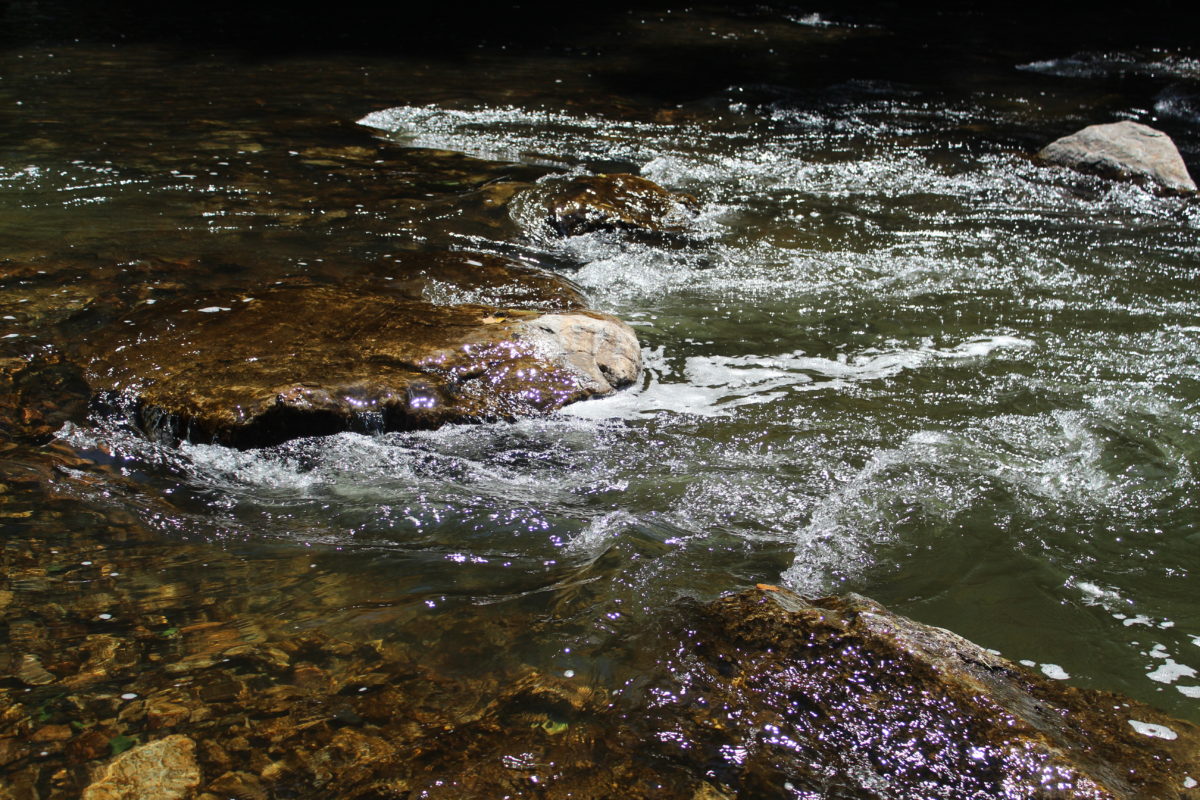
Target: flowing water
point(895, 355)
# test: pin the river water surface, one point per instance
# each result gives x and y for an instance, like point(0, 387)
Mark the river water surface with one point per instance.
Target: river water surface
point(895, 356)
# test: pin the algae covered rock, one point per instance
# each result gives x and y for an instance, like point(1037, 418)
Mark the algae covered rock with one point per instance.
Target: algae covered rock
point(839, 697)
point(297, 361)
point(1125, 149)
point(574, 206)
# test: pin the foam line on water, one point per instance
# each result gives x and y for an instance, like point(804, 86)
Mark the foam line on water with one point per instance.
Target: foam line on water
point(1103, 64)
point(716, 385)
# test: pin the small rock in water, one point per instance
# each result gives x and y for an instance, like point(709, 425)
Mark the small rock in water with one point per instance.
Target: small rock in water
point(606, 203)
point(239, 785)
point(1123, 150)
point(31, 672)
point(164, 769)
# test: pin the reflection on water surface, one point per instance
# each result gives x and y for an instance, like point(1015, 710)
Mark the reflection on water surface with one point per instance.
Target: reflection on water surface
point(893, 356)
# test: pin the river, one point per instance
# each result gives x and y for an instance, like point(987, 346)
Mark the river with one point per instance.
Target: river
point(895, 356)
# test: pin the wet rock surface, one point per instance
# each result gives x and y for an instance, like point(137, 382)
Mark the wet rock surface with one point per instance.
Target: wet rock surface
point(290, 361)
point(1126, 150)
point(456, 278)
point(164, 769)
point(842, 698)
point(574, 206)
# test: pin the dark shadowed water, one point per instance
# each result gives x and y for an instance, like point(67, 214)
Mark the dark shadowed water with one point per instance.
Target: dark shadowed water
point(896, 356)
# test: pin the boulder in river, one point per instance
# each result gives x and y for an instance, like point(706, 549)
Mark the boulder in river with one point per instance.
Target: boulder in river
point(839, 697)
point(574, 206)
point(1125, 149)
point(303, 361)
point(252, 369)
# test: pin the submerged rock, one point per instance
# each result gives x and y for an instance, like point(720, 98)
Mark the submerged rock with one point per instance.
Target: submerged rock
point(454, 278)
point(1123, 150)
point(840, 697)
point(590, 203)
point(164, 769)
point(763, 694)
point(307, 360)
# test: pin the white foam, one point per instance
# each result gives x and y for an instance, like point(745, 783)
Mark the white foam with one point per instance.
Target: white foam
point(1055, 671)
point(458, 466)
point(1169, 672)
point(601, 531)
point(846, 524)
point(812, 20)
point(715, 385)
point(1152, 729)
point(1045, 460)
point(1101, 64)
point(1095, 594)
point(727, 163)
point(515, 134)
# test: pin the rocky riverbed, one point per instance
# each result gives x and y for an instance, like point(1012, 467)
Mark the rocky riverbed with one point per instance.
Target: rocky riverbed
point(528, 415)
point(833, 696)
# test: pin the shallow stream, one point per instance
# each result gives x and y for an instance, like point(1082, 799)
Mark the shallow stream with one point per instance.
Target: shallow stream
point(895, 356)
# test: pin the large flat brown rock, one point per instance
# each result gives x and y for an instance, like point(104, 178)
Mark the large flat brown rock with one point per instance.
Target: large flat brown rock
point(255, 369)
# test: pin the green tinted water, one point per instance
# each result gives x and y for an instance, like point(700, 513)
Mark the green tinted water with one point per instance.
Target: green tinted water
point(896, 357)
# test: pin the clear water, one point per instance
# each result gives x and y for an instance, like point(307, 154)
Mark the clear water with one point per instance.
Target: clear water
point(895, 357)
